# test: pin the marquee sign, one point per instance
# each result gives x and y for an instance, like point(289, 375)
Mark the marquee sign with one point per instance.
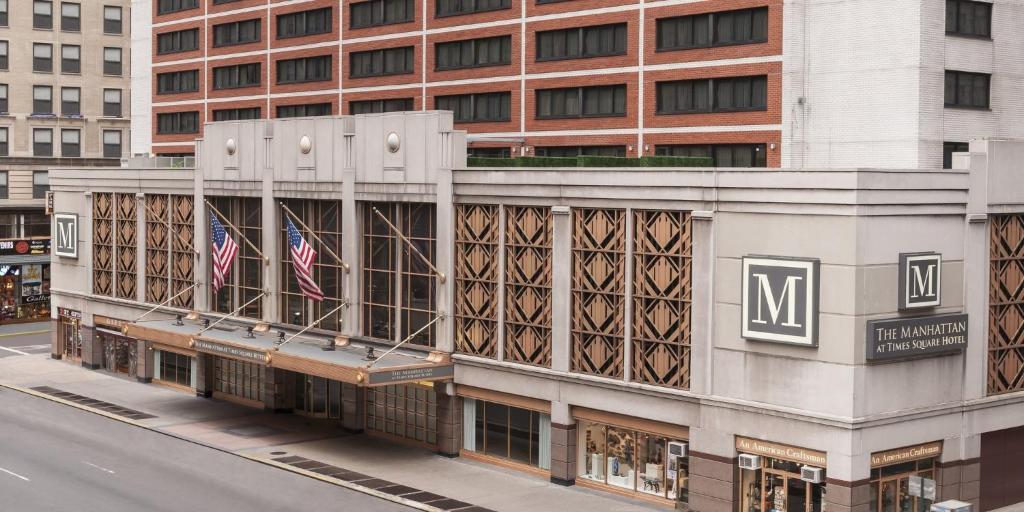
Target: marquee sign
point(781, 451)
point(65, 236)
point(244, 354)
point(907, 454)
point(900, 338)
point(780, 300)
point(399, 375)
point(920, 280)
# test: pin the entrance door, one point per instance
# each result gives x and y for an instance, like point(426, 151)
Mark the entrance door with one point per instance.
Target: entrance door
point(71, 339)
point(317, 397)
point(786, 492)
point(119, 354)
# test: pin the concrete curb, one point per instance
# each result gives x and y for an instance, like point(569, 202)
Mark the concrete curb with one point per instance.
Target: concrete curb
point(268, 462)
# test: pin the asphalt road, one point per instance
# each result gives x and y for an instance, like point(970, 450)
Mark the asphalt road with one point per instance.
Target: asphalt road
point(55, 458)
point(18, 342)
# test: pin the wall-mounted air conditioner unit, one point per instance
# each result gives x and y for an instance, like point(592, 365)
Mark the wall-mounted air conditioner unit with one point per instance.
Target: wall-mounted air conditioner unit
point(676, 449)
point(812, 474)
point(749, 461)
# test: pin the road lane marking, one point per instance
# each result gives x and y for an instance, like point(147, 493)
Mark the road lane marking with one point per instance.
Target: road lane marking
point(32, 347)
point(20, 353)
point(26, 333)
point(101, 468)
point(12, 473)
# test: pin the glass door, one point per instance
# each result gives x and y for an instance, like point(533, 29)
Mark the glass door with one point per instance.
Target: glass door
point(773, 494)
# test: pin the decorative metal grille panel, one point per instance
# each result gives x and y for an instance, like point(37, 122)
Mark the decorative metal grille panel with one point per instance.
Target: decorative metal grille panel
point(169, 258)
point(598, 291)
point(126, 246)
point(1006, 305)
point(477, 238)
point(182, 254)
point(661, 297)
point(528, 285)
point(157, 248)
point(103, 244)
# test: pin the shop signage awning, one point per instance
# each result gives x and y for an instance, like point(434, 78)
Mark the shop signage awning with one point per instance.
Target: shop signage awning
point(906, 454)
point(781, 451)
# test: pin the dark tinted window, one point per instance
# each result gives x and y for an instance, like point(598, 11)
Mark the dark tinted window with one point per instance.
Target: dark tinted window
point(177, 41)
point(968, 90)
point(472, 53)
point(306, 69)
point(239, 75)
point(310, 110)
point(305, 23)
point(238, 32)
point(457, 7)
point(380, 106)
point(381, 12)
point(468, 108)
point(573, 151)
point(575, 43)
point(713, 95)
point(177, 82)
point(713, 29)
point(389, 61)
point(596, 101)
point(722, 155)
point(948, 148)
point(177, 122)
point(236, 114)
point(968, 18)
point(169, 6)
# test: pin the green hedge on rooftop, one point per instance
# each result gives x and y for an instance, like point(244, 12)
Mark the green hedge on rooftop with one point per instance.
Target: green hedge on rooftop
point(590, 161)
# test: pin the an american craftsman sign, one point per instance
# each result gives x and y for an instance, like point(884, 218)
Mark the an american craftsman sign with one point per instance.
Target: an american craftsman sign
point(916, 336)
point(780, 300)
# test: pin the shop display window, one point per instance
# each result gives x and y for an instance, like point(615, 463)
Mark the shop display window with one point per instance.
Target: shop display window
point(24, 292)
point(174, 368)
point(890, 487)
point(777, 486)
point(507, 432)
point(642, 462)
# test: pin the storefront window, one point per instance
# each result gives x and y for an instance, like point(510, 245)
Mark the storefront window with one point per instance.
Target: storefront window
point(24, 292)
point(637, 461)
point(174, 368)
point(70, 332)
point(890, 486)
point(507, 432)
point(778, 486)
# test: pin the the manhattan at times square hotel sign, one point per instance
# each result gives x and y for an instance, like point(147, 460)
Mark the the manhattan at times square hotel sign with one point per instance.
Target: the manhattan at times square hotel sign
point(780, 300)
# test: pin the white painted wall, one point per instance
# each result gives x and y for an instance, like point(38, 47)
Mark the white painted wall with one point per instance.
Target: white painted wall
point(141, 74)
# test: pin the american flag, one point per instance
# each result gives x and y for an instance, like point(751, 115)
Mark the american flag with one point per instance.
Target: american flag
point(224, 251)
point(302, 259)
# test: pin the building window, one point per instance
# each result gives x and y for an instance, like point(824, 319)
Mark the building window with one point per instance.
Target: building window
point(713, 29)
point(307, 110)
point(489, 152)
point(381, 12)
point(42, 100)
point(174, 368)
point(481, 107)
point(641, 462)
point(4, 148)
point(3, 98)
point(112, 102)
point(458, 7)
point(70, 143)
point(948, 148)
point(236, 114)
point(388, 61)
point(177, 82)
point(239, 378)
point(111, 19)
point(244, 282)
point(575, 151)
point(70, 101)
point(169, 6)
point(3, 55)
point(3, 13)
point(969, 18)
point(306, 69)
point(507, 432)
point(890, 490)
point(238, 32)
point(404, 410)
point(8, 224)
point(721, 155)
point(324, 218)
point(237, 76)
point(42, 57)
point(112, 61)
point(112, 143)
point(380, 106)
point(70, 17)
point(474, 53)
point(41, 179)
point(712, 95)
point(304, 23)
point(582, 42)
point(967, 90)
point(177, 41)
point(177, 122)
point(42, 14)
point(596, 101)
point(70, 58)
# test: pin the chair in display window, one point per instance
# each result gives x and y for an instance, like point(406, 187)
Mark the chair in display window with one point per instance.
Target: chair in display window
point(651, 477)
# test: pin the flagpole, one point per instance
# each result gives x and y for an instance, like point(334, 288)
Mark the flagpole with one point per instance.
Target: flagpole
point(440, 275)
point(322, 244)
point(266, 261)
point(310, 326)
point(158, 306)
point(225, 317)
point(407, 338)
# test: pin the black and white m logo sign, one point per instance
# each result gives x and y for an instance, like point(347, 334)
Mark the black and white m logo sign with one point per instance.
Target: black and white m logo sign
point(780, 300)
point(65, 235)
point(920, 280)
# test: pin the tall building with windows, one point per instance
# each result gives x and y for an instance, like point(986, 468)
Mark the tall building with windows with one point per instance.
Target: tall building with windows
point(747, 82)
point(63, 102)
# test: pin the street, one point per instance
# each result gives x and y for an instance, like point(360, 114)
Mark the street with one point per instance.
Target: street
point(55, 457)
point(21, 339)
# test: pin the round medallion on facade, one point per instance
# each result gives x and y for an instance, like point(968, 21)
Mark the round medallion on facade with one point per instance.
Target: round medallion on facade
point(231, 146)
point(393, 142)
point(305, 144)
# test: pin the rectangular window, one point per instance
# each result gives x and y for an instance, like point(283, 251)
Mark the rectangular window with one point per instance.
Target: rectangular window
point(112, 23)
point(3, 13)
point(237, 76)
point(112, 61)
point(70, 58)
point(112, 102)
point(70, 101)
point(3, 98)
point(458, 7)
point(244, 282)
point(236, 114)
point(4, 148)
point(596, 101)
point(70, 143)
point(175, 368)
point(481, 107)
point(948, 148)
point(582, 42)
point(306, 69)
point(42, 100)
point(744, 26)
point(305, 23)
point(70, 17)
point(507, 432)
point(42, 14)
point(177, 122)
point(177, 82)
point(3, 54)
point(574, 151)
point(177, 41)
point(474, 53)
point(3, 191)
point(42, 142)
point(238, 32)
point(722, 155)
point(41, 179)
point(737, 94)
point(112, 143)
point(379, 106)
point(169, 6)
point(967, 90)
point(42, 57)
point(969, 18)
point(388, 61)
point(310, 110)
point(640, 462)
point(381, 12)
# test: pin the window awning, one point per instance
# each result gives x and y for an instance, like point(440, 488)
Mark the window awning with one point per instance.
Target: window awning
point(303, 355)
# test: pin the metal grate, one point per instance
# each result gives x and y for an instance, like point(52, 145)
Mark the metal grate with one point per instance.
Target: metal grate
point(93, 403)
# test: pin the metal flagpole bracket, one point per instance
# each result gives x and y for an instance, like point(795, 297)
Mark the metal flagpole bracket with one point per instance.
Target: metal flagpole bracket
point(310, 326)
point(410, 245)
point(266, 260)
point(291, 214)
point(225, 317)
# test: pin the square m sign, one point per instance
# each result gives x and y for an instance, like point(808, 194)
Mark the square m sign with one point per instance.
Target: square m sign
point(920, 280)
point(780, 300)
point(65, 235)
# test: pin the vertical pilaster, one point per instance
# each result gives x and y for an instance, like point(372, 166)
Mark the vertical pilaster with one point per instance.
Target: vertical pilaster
point(627, 329)
point(712, 482)
point(350, 238)
point(353, 408)
point(702, 294)
point(144, 361)
point(561, 283)
point(55, 336)
point(563, 444)
point(445, 261)
point(92, 348)
point(278, 390)
point(270, 237)
point(140, 248)
point(201, 217)
point(449, 420)
point(204, 375)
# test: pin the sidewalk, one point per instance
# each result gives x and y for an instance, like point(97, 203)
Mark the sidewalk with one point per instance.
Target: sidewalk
point(268, 436)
